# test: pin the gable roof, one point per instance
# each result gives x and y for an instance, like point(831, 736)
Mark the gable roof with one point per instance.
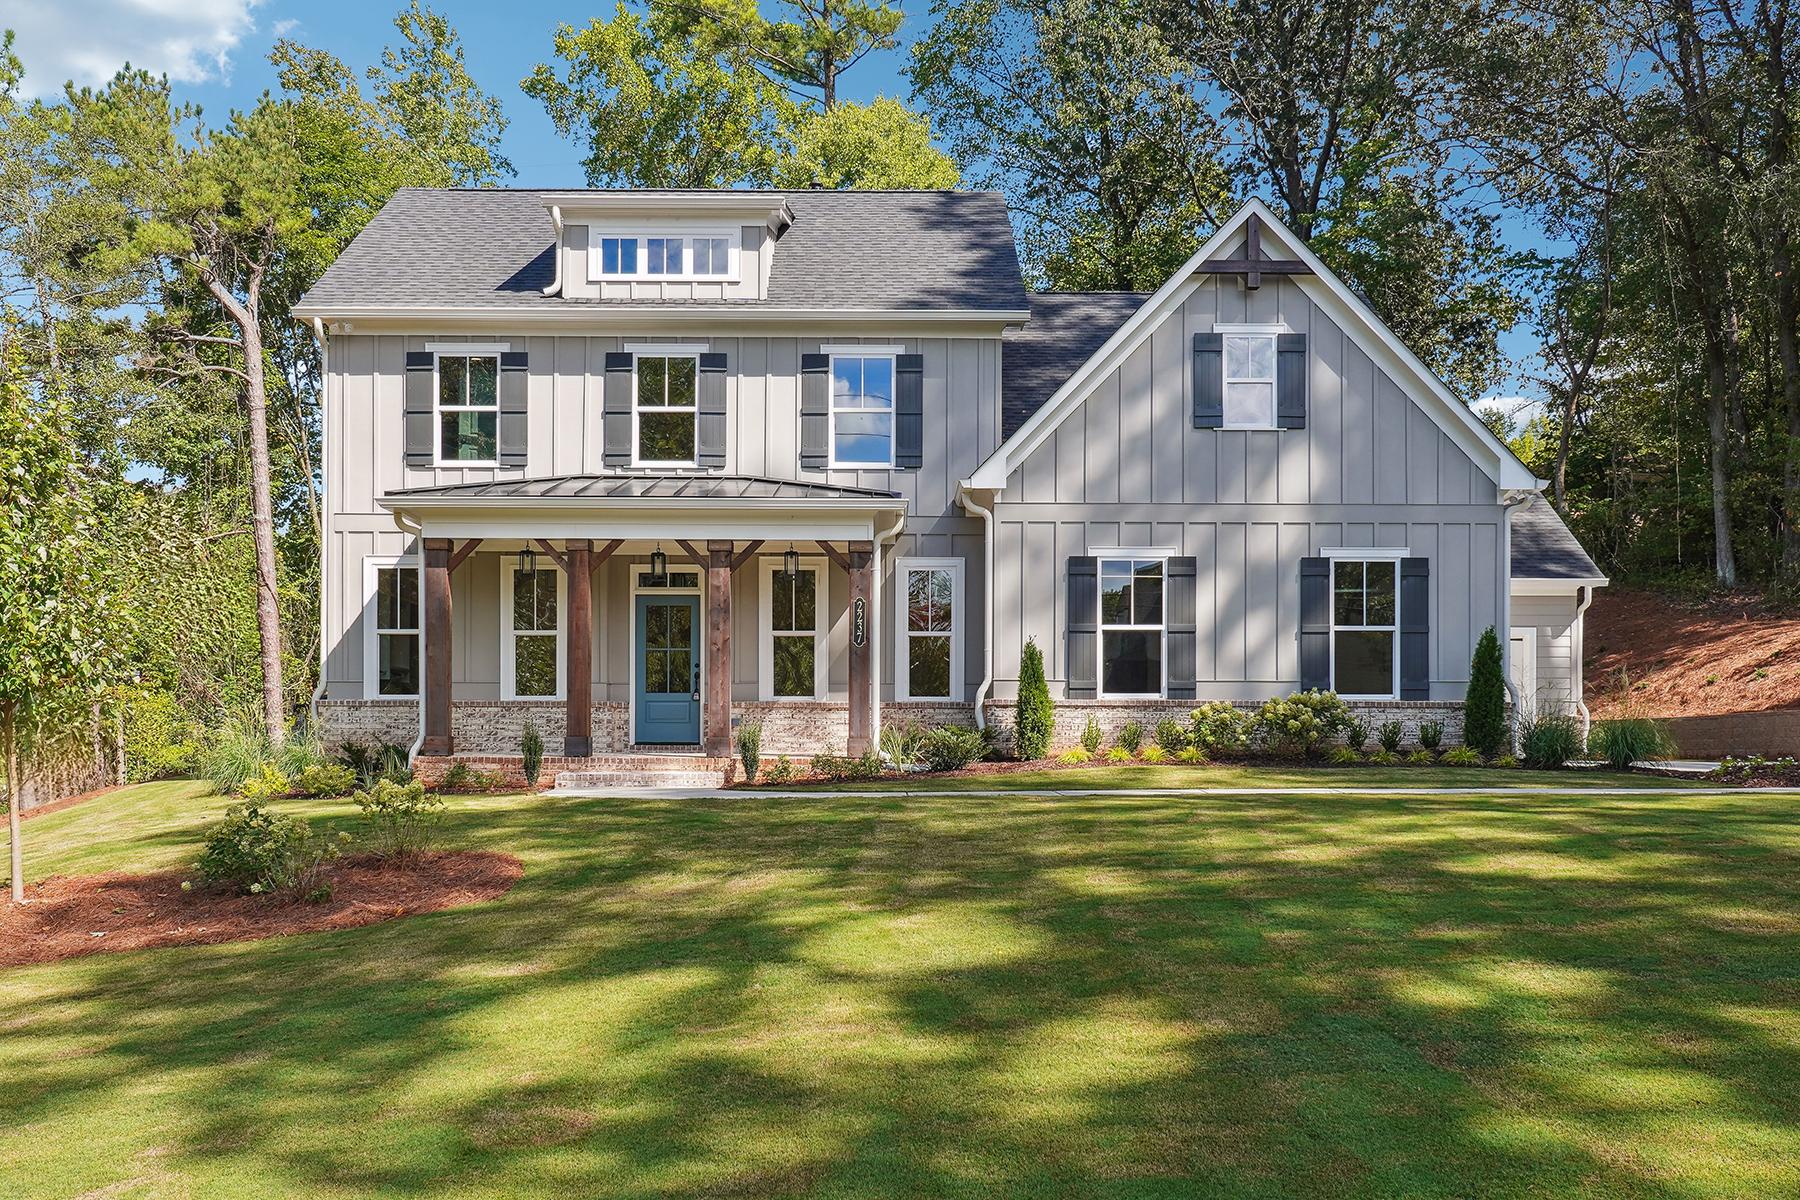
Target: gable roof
point(1543, 547)
point(494, 248)
point(1358, 322)
point(1065, 330)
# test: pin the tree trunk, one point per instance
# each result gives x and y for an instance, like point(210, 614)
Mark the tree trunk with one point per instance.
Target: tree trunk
point(1562, 452)
point(1718, 427)
point(1787, 316)
point(262, 506)
point(8, 724)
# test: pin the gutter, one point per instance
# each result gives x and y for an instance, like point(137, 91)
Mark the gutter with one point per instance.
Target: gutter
point(1587, 721)
point(987, 595)
point(555, 287)
point(312, 705)
point(1514, 499)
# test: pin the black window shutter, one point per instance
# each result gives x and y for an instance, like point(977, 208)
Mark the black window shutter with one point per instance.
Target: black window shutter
point(1415, 629)
point(421, 376)
point(616, 416)
point(909, 411)
point(1209, 380)
point(515, 393)
point(815, 411)
point(1290, 381)
point(1315, 624)
point(709, 441)
point(1179, 588)
point(1083, 674)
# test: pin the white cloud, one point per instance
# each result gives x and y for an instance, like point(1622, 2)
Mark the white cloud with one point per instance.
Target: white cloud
point(283, 28)
point(89, 40)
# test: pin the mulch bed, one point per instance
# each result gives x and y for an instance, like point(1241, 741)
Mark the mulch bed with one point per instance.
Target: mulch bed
point(68, 916)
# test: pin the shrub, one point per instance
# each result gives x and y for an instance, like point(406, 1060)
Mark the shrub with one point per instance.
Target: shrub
point(1389, 736)
point(1462, 756)
point(1118, 754)
point(901, 744)
point(1172, 736)
point(160, 739)
point(1091, 737)
point(1421, 758)
point(1484, 705)
point(265, 852)
point(402, 818)
point(1154, 753)
point(1431, 734)
point(1131, 737)
point(1343, 756)
point(1069, 758)
point(838, 768)
point(1192, 754)
point(326, 779)
point(1630, 739)
point(461, 777)
point(531, 745)
point(1218, 726)
point(1385, 757)
point(298, 752)
point(749, 747)
point(952, 747)
point(1549, 740)
point(1300, 722)
point(234, 752)
point(784, 771)
point(383, 760)
point(267, 784)
point(1035, 715)
point(1356, 734)
point(1504, 762)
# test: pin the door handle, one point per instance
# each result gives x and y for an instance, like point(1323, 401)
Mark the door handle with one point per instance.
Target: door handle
point(696, 683)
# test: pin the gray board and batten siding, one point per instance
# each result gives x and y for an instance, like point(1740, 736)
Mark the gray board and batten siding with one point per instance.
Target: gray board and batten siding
point(1127, 468)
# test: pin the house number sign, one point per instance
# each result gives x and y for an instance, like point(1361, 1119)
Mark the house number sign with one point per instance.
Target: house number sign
point(859, 622)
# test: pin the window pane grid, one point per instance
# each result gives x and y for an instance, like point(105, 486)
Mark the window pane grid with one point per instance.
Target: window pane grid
point(667, 257)
point(930, 597)
point(667, 390)
point(862, 404)
point(1250, 380)
point(1363, 636)
point(1131, 627)
point(397, 631)
point(468, 407)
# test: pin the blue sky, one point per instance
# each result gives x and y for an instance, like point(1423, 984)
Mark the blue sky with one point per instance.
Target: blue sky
point(216, 53)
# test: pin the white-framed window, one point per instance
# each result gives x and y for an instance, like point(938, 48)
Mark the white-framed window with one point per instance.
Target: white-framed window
point(1249, 365)
point(928, 659)
point(795, 658)
point(1365, 637)
point(468, 406)
point(394, 636)
point(862, 407)
point(1131, 626)
point(666, 254)
point(665, 408)
point(532, 629)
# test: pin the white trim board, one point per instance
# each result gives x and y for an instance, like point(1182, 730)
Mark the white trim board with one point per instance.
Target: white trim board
point(1325, 289)
point(469, 347)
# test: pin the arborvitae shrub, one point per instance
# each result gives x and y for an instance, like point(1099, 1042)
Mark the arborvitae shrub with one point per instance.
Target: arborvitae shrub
point(1035, 715)
point(1484, 707)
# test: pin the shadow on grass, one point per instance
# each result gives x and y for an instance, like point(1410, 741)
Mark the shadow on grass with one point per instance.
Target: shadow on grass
point(976, 996)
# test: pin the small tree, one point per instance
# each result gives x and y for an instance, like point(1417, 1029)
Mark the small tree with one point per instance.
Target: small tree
point(532, 748)
point(1035, 715)
point(1484, 708)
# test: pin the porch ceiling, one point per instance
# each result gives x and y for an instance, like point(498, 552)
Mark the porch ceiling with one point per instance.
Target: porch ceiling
point(634, 506)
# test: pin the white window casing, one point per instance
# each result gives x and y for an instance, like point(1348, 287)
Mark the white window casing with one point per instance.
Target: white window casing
point(465, 381)
point(511, 634)
point(647, 260)
point(1365, 615)
point(904, 621)
point(680, 381)
point(768, 587)
point(862, 406)
point(374, 620)
point(1249, 362)
point(1141, 618)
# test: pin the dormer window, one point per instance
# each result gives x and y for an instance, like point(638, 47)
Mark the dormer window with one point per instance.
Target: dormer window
point(663, 257)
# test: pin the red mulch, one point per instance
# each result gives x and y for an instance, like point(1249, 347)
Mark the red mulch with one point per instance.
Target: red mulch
point(68, 916)
point(1651, 655)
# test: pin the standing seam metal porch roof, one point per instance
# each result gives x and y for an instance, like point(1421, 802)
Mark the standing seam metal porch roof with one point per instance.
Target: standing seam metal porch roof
point(644, 487)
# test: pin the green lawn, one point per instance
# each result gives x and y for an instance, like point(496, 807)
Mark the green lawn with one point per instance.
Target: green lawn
point(1558, 996)
point(1214, 775)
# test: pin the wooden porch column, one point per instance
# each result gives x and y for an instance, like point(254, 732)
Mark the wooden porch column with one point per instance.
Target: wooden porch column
point(578, 721)
point(715, 708)
point(437, 741)
point(862, 645)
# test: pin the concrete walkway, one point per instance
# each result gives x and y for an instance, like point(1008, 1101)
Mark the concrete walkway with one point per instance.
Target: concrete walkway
point(1517, 790)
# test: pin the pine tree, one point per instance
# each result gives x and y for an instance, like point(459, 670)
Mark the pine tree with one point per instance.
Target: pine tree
point(1484, 708)
point(1035, 714)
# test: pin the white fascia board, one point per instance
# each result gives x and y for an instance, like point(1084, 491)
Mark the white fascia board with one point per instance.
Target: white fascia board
point(770, 208)
point(1352, 316)
point(1555, 587)
point(610, 315)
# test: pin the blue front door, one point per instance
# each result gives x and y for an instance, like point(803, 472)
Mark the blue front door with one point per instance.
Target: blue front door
point(668, 669)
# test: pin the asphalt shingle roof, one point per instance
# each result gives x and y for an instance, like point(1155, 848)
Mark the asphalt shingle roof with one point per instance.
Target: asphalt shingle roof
point(846, 249)
point(1543, 547)
point(1065, 330)
point(594, 487)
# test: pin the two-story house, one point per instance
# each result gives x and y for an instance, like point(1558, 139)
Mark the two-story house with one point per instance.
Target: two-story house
point(638, 466)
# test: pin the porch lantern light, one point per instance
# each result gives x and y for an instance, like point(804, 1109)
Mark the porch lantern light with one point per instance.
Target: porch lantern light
point(528, 563)
point(790, 562)
point(659, 567)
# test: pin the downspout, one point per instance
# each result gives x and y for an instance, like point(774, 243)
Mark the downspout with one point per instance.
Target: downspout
point(1513, 499)
point(987, 595)
point(555, 287)
point(1587, 598)
point(312, 706)
point(418, 532)
point(878, 620)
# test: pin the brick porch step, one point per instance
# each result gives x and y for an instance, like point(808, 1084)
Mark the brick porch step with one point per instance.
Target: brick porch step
point(648, 771)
